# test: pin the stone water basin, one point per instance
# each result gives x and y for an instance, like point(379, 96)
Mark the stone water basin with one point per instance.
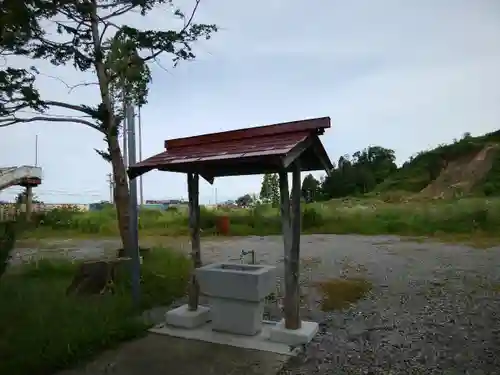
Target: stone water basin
point(236, 294)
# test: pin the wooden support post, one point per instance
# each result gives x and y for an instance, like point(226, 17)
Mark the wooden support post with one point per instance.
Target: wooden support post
point(295, 247)
point(194, 228)
point(29, 202)
point(292, 295)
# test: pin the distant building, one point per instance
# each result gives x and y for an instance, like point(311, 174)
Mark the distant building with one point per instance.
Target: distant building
point(163, 204)
point(166, 201)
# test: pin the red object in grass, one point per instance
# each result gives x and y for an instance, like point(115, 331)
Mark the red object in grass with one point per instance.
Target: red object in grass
point(223, 225)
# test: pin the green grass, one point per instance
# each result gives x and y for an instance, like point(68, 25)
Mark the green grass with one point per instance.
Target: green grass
point(42, 330)
point(469, 216)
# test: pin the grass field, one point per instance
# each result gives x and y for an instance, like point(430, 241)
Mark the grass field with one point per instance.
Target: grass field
point(357, 216)
point(43, 330)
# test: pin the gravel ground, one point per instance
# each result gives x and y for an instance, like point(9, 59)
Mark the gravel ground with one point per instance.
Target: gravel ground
point(434, 308)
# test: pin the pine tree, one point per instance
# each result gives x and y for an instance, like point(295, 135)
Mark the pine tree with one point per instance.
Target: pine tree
point(275, 189)
point(266, 189)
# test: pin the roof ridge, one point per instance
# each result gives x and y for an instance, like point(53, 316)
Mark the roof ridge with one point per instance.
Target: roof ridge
point(315, 124)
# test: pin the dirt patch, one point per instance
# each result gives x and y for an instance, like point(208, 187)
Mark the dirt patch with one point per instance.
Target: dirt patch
point(460, 176)
point(338, 294)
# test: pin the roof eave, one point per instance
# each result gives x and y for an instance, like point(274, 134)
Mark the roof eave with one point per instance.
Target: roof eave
point(313, 143)
point(322, 156)
point(209, 170)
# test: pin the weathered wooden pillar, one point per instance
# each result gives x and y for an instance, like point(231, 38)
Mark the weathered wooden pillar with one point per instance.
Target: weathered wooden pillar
point(295, 246)
point(194, 229)
point(291, 238)
point(29, 202)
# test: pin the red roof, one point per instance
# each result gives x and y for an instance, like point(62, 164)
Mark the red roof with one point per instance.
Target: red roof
point(238, 152)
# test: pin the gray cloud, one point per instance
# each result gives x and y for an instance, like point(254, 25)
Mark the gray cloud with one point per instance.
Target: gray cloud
point(405, 75)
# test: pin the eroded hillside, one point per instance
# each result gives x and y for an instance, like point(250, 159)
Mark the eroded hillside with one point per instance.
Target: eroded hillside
point(469, 165)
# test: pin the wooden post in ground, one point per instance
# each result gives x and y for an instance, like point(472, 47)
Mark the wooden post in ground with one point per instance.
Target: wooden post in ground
point(295, 247)
point(194, 229)
point(292, 296)
point(29, 202)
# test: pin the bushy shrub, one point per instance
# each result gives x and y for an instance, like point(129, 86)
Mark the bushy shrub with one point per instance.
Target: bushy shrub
point(57, 218)
point(208, 219)
point(312, 218)
point(7, 242)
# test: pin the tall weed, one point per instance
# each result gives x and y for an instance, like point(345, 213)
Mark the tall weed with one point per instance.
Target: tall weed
point(363, 216)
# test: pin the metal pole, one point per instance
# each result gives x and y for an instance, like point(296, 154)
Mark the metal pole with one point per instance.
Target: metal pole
point(110, 182)
point(141, 186)
point(125, 130)
point(133, 224)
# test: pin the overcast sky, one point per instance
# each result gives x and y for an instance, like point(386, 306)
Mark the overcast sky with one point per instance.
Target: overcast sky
point(402, 74)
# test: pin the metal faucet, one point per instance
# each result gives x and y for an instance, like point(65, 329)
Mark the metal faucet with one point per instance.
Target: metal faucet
point(245, 253)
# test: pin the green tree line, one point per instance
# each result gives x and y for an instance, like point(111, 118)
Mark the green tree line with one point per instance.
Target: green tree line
point(354, 174)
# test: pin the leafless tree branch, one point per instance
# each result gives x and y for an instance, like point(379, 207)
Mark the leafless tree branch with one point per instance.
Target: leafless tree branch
point(159, 64)
point(16, 120)
point(118, 12)
point(103, 33)
point(82, 84)
point(73, 107)
point(70, 87)
point(32, 113)
point(191, 17)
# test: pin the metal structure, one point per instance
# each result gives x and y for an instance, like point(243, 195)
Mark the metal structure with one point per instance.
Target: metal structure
point(141, 185)
point(280, 148)
point(111, 184)
point(244, 253)
point(125, 131)
point(134, 230)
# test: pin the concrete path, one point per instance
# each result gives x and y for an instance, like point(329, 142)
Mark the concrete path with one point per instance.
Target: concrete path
point(162, 355)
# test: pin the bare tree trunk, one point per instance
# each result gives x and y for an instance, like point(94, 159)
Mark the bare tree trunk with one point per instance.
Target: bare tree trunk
point(121, 193)
point(119, 172)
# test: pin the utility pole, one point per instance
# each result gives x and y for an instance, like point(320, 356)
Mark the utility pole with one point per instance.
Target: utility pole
point(141, 187)
point(133, 217)
point(125, 128)
point(111, 188)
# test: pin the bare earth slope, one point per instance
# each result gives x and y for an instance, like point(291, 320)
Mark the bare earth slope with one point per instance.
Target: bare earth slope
point(462, 175)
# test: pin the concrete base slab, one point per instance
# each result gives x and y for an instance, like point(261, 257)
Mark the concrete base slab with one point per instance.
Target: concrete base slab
point(184, 318)
point(300, 336)
point(205, 333)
